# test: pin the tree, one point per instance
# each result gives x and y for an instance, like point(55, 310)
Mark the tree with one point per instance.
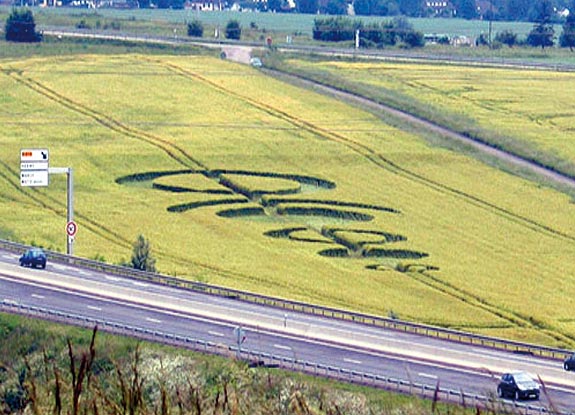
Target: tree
point(518, 9)
point(507, 37)
point(411, 8)
point(274, 5)
point(308, 6)
point(336, 7)
point(362, 7)
point(375, 7)
point(195, 28)
point(542, 33)
point(567, 39)
point(142, 255)
point(20, 27)
point(233, 30)
point(466, 9)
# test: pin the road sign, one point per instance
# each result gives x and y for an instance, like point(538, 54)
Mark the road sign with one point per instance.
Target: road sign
point(34, 178)
point(34, 167)
point(71, 228)
point(34, 154)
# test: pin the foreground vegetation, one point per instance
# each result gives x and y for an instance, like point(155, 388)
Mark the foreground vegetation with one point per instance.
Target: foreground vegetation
point(49, 368)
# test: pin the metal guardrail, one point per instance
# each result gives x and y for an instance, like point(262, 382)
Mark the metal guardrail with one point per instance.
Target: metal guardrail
point(296, 306)
point(258, 358)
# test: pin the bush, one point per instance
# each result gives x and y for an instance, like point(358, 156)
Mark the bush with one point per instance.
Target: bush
point(142, 255)
point(507, 37)
point(20, 27)
point(196, 28)
point(233, 30)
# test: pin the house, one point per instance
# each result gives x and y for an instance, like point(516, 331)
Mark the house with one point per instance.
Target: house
point(439, 7)
point(205, 5)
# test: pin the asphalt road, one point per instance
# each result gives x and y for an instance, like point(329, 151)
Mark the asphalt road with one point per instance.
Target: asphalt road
point(300, 337)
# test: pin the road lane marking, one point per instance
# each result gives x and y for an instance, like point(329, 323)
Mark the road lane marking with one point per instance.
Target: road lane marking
point(60, 267)
point(357, 362)
point(140, 284)
point(93, 307)
point(38, 296)
point(216, 333)
point(112, 278)
point(153, 320)
point(427, 375)
point(281, 346)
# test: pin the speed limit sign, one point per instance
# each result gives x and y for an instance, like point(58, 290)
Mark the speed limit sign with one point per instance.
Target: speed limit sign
point(71, 228)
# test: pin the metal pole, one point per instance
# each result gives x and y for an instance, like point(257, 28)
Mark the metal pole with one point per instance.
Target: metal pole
point(70, 215)
point(70, 202)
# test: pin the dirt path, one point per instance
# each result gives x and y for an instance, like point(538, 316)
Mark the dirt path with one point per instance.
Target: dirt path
point(240, 54)
point(522, 163)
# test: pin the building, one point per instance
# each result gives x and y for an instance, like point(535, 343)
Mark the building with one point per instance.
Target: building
point(204, 5)
point(439, 7)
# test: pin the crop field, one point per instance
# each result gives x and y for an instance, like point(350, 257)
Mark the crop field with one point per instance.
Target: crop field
point(528, 112)
point(241, 180)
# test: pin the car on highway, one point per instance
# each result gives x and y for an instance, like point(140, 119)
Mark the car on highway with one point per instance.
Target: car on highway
point(569, 363)
point(34, 257)
point(518, 385)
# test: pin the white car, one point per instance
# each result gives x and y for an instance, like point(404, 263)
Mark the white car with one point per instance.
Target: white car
point(257, 62)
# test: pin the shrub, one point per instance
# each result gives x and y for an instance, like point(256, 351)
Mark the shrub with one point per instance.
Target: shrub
point(233, 30)
point(20, 27)
point(196, 28)
point(507, 37)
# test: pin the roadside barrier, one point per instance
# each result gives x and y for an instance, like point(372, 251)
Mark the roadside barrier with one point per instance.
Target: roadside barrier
point(296, 306)
point(262, 359)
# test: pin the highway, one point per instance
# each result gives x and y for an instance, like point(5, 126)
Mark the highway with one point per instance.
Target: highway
point(300, 337)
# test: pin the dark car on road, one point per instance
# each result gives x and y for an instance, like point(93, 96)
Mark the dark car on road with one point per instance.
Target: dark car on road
point(569, 363)
point(34, 257)
point(518, 385)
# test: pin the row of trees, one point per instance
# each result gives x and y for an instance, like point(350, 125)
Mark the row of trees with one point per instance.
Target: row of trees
point(389, 33)
point(233, 29)
point(20, 27)
point(504, 10)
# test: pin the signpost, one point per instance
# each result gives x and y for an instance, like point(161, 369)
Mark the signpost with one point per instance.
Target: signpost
point(35, 171)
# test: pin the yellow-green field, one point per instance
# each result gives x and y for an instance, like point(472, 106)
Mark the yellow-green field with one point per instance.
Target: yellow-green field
point(259, 185)
point(529, 112)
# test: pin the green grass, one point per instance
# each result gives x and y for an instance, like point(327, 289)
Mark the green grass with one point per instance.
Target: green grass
point(271, 22)
point(503, 262)
point(34, 351)
point(257, 27)
point(526, 112)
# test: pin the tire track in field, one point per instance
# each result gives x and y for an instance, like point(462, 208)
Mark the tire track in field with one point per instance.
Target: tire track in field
point(514, 318)
point(183, 158)
point(372, 155)
point(172, 150)
point(59, 208)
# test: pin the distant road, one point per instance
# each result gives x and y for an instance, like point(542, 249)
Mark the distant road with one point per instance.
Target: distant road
point(317, 340)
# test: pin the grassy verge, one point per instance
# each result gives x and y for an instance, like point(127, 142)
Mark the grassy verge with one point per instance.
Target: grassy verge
point(458, 97)
point(48, 367)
